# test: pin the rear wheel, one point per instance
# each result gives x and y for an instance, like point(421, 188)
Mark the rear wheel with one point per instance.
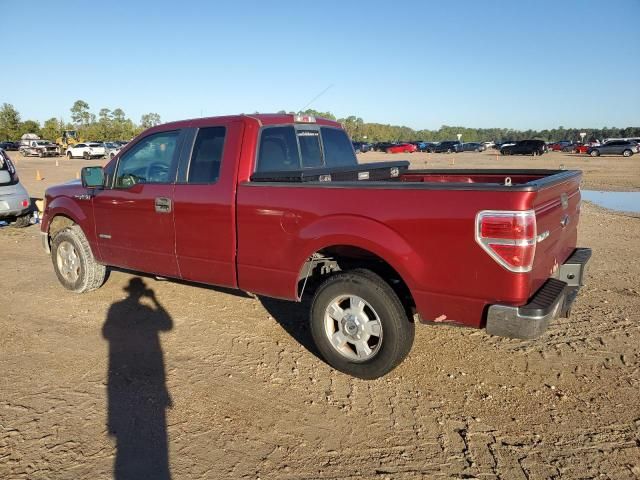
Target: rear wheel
point(627, 153)
point(69, 156)
point(86, 156)
point(359, 325)
point(74, 263)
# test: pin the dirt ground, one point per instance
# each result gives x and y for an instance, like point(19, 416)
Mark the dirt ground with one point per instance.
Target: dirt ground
point(199, 383)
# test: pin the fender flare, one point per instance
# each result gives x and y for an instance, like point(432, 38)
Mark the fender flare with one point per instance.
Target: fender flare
point(367, 234)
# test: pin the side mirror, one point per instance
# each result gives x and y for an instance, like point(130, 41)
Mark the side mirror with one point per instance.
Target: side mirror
point(92, 177)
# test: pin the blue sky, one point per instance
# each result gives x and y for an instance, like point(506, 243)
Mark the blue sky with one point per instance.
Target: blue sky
point(516, 64)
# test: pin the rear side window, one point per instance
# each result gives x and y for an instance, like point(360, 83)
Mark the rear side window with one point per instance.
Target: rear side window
point(207, 155)
point(278, 150)
point(338, 151)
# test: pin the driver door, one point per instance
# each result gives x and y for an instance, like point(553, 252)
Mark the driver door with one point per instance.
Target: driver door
point(134, 213)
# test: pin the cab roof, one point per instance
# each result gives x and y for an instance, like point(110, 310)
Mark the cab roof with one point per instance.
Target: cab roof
point(259, 118)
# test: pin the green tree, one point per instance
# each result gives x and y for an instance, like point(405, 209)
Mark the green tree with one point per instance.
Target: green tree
point(80, 114)
point(9, 122)
point(51, 129)
point(149, 120)
point(29, 126)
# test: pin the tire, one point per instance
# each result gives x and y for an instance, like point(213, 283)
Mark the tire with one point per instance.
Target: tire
point(627, 153)
point(595, 153)
point(449, 150)
point(382, 311)
point(86, 156)
point(69, 156)
point(22, 221)
point(83, 273)
point(41, 154)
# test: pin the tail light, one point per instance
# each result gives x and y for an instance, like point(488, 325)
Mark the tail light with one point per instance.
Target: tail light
point(509, 237)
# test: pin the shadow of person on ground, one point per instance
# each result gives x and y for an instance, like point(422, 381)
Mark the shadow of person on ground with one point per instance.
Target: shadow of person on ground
point(137, 391)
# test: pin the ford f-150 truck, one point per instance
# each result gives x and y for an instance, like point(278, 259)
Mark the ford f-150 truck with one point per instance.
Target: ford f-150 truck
point(277, 205)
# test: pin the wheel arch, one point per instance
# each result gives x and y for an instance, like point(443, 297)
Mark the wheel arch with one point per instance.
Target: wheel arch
point(355, 241)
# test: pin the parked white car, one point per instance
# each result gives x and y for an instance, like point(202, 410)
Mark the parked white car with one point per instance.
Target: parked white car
point(86, 151)
point(112, 149)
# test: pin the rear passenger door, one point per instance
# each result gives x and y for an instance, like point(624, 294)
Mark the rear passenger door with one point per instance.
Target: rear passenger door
point(204, 199)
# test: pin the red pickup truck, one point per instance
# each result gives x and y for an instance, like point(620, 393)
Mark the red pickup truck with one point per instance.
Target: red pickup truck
point(277, 205)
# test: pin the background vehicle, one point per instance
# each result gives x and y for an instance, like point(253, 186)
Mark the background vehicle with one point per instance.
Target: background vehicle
point(10, 146)
point(277, 205)
point(472, 147)
point(15, 204)
point(524, 147)
point(507, 143)
point(401, 148)
point(616, 147)
point(558, 146)
point(111, 149)
point(382, 146)
point(68, 139)
point(448, 146)
point(86, 151)
point(32, 145)
point(361, 147)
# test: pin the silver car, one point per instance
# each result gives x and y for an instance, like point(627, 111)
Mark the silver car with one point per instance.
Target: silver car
point(15, 205)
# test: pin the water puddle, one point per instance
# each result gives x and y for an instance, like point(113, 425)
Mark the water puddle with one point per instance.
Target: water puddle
point(619, 201)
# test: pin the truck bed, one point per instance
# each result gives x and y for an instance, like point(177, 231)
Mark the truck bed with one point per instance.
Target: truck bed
point(397, 174)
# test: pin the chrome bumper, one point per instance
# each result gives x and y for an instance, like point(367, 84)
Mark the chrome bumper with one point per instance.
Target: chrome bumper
point(554, 299)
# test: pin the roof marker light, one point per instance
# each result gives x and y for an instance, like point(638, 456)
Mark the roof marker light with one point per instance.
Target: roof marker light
point(303, 118)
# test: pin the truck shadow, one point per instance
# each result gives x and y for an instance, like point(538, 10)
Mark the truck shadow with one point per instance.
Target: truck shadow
point(294, 318)
point(137, 394)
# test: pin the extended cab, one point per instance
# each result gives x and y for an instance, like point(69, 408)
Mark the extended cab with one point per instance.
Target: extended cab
point(277, 205)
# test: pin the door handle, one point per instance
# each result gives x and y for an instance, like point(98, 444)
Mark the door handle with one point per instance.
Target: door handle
point(163, 205)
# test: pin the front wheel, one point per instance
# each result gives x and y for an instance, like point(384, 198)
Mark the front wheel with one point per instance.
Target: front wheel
point(595, 153)
point(359, 325)
point(69, 156)
point(74, 263)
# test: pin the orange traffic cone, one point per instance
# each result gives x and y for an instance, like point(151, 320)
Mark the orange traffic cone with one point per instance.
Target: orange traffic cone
point(57, 163)
point(38, 176)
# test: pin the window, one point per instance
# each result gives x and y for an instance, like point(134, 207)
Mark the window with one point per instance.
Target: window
point(278, 150)
point(290, 148)
point(338, 151)
point(310, 152)
point(150, 161)
point(207, 155)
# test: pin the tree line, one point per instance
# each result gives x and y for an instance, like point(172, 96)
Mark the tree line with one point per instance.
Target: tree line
point(360, 130)
point(114, 125)
point(107, 125)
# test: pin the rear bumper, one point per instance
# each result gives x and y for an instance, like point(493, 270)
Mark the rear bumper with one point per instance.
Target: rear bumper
point(553, 300)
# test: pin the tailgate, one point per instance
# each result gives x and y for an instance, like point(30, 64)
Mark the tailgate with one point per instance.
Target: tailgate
point(557, 208)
